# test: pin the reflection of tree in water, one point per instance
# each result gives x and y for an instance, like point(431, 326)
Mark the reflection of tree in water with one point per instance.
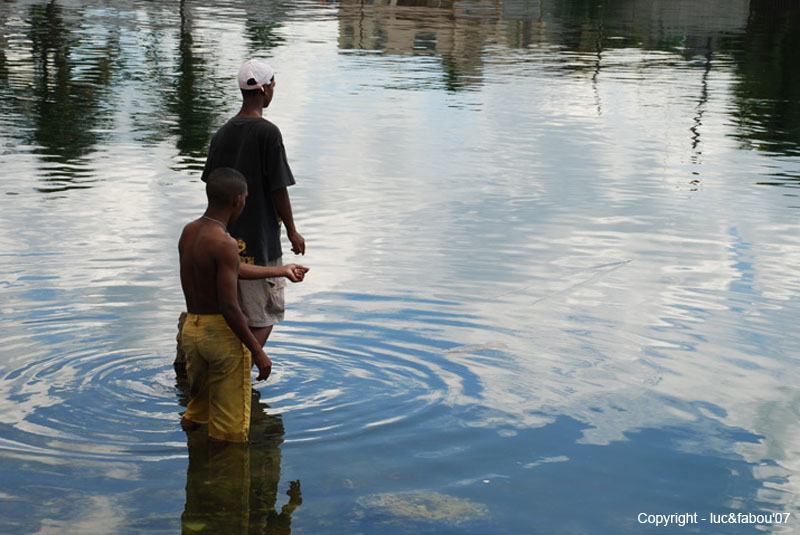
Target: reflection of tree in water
point(588, 28)
point(5, 96)
point(191, 101)
point(263, 20)
point(233, 488)
point(768, 65)
point(64, 107)
point(180, 85)
point(196, 96)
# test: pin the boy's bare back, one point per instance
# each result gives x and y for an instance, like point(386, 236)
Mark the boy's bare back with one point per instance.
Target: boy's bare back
point(208, 259)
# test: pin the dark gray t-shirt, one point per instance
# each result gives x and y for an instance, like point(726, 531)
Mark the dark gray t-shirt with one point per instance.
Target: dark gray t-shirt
point(254, 147)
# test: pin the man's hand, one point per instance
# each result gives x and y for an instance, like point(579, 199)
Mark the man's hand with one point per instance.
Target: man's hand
point(295, 272)
point(298, 243)
point(264, 365)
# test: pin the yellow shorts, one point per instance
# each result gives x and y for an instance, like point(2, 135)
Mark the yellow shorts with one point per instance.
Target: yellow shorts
point(218, 368)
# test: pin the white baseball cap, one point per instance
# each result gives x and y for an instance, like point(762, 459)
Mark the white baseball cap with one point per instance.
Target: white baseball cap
point(255, 73)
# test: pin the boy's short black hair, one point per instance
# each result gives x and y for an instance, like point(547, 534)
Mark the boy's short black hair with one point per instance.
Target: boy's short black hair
point(224, 184)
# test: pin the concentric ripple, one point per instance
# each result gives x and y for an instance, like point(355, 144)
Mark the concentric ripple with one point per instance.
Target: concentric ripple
point(334, 381)
point(335, 390)
point(87, 404)
point(330, 380)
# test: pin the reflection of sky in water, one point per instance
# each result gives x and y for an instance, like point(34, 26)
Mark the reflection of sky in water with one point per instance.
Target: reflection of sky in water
point(549, 272)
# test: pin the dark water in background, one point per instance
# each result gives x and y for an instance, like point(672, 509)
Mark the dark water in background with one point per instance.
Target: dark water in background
point(555, 258)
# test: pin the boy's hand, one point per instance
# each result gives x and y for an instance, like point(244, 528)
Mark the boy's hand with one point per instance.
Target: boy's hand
point(295, 272)
point(295, 497)
point(264, 365)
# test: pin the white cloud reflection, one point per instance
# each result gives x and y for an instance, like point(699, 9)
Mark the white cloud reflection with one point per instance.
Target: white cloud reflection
point(526, 187)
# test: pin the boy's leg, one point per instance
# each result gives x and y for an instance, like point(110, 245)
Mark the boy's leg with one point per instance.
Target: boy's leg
point(229, 388)
point(197, 374)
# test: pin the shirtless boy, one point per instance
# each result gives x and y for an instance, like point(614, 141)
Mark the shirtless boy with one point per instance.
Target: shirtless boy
point(215, 337)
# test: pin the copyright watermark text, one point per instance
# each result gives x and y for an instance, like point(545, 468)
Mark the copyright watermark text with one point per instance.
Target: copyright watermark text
point(683, 519)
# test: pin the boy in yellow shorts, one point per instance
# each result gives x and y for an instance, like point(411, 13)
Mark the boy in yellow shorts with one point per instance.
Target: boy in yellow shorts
point(220, 348)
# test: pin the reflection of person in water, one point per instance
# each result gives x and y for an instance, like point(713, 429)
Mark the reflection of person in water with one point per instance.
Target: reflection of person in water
point(232, 488)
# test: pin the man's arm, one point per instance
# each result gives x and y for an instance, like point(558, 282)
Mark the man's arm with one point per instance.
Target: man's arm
point(227, 275)
point(293, 272)
point(280, 197)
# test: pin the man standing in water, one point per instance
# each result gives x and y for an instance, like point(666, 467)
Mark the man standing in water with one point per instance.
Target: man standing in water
point(215, 337)
point(254, 147)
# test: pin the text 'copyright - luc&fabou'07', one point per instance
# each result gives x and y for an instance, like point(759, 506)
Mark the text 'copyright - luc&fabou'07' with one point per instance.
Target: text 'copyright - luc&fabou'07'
point(684, 519)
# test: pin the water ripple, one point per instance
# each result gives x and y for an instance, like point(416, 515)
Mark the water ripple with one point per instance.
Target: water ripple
point(346, 384)
point(90, 404)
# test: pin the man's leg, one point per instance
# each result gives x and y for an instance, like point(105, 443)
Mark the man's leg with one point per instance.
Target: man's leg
point(274, 306)
point(257, 301)
point(261, 334)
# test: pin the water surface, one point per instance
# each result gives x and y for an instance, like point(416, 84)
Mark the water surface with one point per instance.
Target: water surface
point(554, 250)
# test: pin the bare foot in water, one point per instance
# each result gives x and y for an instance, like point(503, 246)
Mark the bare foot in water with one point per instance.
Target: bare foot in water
point(188, 425)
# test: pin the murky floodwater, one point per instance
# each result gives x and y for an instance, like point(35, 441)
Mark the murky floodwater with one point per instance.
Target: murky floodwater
point(555, 252)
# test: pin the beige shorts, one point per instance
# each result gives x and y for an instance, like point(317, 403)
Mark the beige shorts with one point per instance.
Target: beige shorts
point(262, 300)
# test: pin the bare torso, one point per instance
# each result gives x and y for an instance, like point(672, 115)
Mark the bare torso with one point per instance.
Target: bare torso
point(201, 246)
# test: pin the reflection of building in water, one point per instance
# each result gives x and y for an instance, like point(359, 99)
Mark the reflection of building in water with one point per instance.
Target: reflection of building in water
point(464, 33)
point(233, 487)
point(455, 31)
